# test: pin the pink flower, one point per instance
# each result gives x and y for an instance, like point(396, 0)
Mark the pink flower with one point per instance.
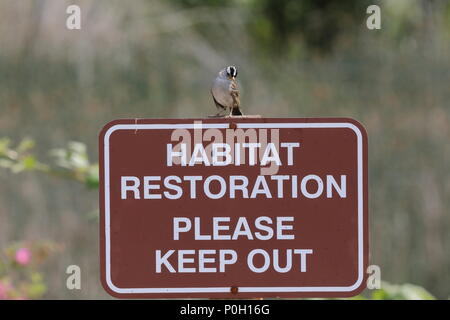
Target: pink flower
point(23, 256)
point(4, 288)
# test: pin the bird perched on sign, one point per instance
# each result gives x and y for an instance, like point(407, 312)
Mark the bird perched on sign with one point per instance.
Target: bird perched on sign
point(225, 92)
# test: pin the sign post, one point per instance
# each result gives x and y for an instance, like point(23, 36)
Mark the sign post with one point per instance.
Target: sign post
point(233, 208)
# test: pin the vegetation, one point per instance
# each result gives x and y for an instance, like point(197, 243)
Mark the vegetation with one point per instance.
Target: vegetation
point(20, 277)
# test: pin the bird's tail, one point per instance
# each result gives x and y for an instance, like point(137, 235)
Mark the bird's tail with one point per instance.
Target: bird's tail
point(236, 112)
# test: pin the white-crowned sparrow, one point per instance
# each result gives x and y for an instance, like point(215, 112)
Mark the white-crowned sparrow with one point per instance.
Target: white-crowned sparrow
point(225, 92)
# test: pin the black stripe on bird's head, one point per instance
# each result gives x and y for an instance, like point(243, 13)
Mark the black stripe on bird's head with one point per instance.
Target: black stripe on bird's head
point(231, 72)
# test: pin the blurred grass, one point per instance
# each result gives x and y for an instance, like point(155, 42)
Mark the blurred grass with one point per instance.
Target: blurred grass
point(155, 59)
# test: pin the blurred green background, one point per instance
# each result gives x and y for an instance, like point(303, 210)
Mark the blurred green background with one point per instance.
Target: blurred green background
point(156, 59)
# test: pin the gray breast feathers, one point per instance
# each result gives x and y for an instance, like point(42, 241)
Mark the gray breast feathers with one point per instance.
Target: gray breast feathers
point(221, 92)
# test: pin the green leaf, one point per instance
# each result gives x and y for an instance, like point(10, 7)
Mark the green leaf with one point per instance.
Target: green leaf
point(77, 147)
point(17, 167)
point(380, 294)
point(79, 161)
point(92, 178)
point(4, 145)
point(36, 288)
point(413, 292)
point(58, 153)
point(25, 145)
point(92, 182)
point(401, 292)
point(29, 162)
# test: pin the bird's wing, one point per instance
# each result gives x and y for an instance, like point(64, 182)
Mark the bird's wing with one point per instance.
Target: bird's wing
point(218, 105)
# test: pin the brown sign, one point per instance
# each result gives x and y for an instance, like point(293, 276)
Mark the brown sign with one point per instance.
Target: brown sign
point(240, 207)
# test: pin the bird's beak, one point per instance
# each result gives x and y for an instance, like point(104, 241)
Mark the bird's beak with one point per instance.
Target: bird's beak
point(233, 78)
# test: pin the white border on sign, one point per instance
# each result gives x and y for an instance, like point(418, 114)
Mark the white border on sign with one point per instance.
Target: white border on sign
point(242, 126)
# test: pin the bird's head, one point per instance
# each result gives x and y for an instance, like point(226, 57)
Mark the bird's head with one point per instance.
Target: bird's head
point(231, 72)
